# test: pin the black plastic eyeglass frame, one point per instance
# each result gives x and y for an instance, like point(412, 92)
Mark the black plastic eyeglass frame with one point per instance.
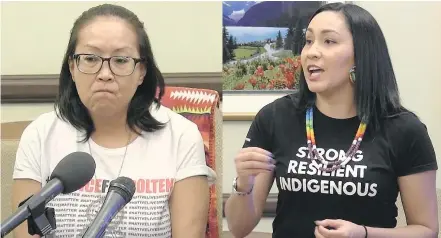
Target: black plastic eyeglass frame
point(136, 60)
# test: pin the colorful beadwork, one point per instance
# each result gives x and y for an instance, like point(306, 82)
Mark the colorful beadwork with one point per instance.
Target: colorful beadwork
point(312, 148)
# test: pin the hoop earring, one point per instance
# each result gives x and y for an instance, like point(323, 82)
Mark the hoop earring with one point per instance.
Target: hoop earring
point(352, 74)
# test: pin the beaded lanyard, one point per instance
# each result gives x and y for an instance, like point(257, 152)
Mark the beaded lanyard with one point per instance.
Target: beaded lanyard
point(313, 153)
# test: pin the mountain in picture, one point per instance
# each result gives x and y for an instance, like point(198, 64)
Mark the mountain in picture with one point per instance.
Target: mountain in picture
point(233, 11)
point(266, 13)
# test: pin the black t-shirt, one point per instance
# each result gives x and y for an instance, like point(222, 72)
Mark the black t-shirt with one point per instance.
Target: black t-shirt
point(364, 192)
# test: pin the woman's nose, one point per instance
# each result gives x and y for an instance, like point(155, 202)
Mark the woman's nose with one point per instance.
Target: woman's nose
point(313, 52)
point(105, 73)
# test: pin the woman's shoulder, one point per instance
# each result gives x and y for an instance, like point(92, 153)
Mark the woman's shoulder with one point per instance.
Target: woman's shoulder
point(406, 123)
point(43, 121)
point(411, 143)
point(279, 107)
point(407, 131)
point(44, 124)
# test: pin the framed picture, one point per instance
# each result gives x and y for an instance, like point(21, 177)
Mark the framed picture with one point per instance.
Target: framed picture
point(262, 41)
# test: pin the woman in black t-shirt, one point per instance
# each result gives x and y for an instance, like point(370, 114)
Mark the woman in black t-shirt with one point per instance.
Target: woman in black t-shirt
point(342, 147)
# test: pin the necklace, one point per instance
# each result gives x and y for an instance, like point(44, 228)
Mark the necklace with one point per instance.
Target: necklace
point(312, 148)
point(124, 157)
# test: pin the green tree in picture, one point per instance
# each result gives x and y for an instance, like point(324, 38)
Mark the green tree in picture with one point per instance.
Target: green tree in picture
point(228, 51)
point(279, 41)
point(231, 44)
point(298, 37)
point(289, 40)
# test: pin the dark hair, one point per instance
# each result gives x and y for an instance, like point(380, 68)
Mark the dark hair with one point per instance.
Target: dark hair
point(376, 89)
point(68, 104)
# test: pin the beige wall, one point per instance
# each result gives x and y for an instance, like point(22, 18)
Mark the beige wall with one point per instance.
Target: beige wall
point(183, 34)
point(412, 31)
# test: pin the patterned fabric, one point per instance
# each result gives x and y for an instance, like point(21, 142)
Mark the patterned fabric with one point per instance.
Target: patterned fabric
point(198, 105)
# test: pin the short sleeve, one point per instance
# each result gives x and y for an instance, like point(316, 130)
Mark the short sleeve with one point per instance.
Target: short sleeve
point(27, 159)
point(260, 132)
point(191, 156)
point(417, 153)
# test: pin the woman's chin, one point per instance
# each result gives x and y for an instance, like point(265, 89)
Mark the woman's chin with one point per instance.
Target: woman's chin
point(316, 87)
point(103, 109)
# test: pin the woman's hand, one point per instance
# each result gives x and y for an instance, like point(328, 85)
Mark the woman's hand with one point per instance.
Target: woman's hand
point(338, 229)
point(250, 162)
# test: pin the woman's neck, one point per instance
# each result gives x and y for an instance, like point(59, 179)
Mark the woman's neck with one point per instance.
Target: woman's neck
point(340, 105)
point(111, 132)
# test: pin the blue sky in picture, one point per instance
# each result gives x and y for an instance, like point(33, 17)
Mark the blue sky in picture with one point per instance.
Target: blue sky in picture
point(250, 34)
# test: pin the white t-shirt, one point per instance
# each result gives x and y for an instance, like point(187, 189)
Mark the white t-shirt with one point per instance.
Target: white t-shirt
point(155, 161)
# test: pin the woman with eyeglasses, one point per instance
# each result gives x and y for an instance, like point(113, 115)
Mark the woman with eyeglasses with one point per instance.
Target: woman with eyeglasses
point(340, 149)
point(108, 106)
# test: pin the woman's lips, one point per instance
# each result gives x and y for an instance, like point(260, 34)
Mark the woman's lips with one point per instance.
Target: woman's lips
point(315, 74)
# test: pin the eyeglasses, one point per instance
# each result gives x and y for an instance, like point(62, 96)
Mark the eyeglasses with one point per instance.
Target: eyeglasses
point(119, 65)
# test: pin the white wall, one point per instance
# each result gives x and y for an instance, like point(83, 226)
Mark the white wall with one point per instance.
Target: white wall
point(413, 34)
